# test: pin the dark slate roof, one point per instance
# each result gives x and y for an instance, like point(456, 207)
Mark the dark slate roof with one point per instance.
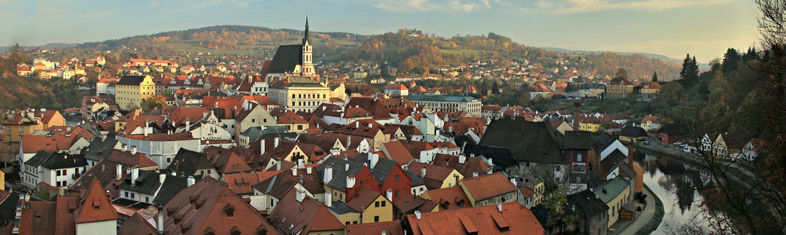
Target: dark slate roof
point(600, 142)
point(286, 58)
point(39, 158)
point(8, 205)
point(187, 162)
point(381, 170)
point(633, 131)
point(276, 186)
point(587, 204)
point(501, 156)
point(628, 171)
point(612, 188)
point(340, 208)
point(131, 80)
point(339, 180)
point(51, 160)
point(147, 183)
point(416, 180)
point(577, 140)
point(172, 186)
point(612, 160)
point(100, 149)
point(526, 141)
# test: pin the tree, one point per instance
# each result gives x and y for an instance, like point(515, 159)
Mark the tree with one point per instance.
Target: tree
point(730, 60)
point(772, 22)
point(495, 88)
point(690, 70)
point(621, 73)
point(655, 77)
point(154, 102)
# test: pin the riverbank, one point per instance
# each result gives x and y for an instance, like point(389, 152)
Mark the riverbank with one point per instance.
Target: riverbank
point(648, 219)
point(738, 173)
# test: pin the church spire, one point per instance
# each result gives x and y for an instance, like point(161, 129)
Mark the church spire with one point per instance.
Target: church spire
point(305, 37)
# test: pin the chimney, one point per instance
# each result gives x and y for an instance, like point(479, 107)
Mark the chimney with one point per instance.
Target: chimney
point(389, 194)
point(275, 142)
point(161, 178)
point(294, 171)
point(134, 175)
point(346, 166)
point(125, 147)
point(262, 147)
point(350, 181)
point(328, 175)
point(475, 174)
point(299, 195)
point(357, 125)
point(301, 163)
point(499, 207)
point(328, 199)
point(491, 162)
point(417, 214)
point(133, 150)
point(160, 221)
point(369, 125)
point(462, 159)
point(308, 170)
point(423, 172)
point(188, 125)
point(190, 181)
point(374, 160)
point(118, 171)
point(513, 181)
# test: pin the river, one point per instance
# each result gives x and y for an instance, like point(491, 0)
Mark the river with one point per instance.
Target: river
point(677, 185)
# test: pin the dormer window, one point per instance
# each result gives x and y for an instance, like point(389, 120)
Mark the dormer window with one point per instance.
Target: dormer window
point(229, 210)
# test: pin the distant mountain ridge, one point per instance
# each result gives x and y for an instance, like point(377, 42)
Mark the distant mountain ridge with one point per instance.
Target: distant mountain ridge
point(645, 54)
point(409, 50)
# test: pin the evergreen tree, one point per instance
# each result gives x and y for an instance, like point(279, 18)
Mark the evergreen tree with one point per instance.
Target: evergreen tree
point(690, 70)
point(730, 60)
point(655, 76)
point(495, 88)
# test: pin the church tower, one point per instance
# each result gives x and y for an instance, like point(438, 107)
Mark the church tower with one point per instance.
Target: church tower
point(307, 67)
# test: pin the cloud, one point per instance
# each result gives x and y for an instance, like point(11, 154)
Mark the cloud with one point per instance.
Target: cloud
point(584, 6)
point(432, 5)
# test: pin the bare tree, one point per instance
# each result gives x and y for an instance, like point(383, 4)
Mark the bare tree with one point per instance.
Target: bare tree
point(772, 23)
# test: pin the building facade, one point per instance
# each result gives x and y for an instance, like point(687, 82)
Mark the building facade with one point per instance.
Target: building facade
point(449, 103)
point(132, 90)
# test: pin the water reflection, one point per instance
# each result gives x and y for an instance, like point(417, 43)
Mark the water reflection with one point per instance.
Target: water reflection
point(677, 185)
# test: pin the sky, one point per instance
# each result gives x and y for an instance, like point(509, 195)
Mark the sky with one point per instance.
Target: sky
point(704, 28)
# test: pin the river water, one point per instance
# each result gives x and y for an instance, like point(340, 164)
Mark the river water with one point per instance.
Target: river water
point(677, 185)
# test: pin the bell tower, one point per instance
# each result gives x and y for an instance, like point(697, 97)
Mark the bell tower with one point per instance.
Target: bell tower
point(307, 67)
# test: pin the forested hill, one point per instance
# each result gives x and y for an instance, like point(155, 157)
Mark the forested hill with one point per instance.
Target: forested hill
point(409, 50)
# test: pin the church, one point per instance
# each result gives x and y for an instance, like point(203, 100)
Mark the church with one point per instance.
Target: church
point(292, 60)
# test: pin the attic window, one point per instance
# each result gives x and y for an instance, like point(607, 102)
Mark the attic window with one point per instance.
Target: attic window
point(209, 231)
point(229, 210)
point(96, 203)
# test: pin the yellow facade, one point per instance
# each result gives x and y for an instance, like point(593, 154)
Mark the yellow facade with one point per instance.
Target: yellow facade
point(337, 195)
point(349, 218)
point(2, 180)
point(452, 180)
point(591, 127)
point(12, 134)
point(301, 94)
point(130, 97)
point(615, 205)
point(381, 210)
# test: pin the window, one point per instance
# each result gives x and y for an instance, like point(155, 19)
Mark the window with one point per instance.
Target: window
point(383, 203)
point(578, 157)
point(376, 218)
point(376, 204)
point(397, 176)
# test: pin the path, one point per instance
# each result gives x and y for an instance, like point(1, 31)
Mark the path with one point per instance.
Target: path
point(643, 217)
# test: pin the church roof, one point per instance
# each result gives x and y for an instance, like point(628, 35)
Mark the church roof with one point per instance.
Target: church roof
point(286, 58)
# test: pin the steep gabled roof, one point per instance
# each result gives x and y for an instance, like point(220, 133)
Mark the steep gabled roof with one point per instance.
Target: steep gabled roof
point(304, 217)
point(95, 206)
point(286, 58)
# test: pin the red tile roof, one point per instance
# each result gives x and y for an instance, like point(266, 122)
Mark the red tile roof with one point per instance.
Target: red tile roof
point(398, 152)
point(488, 186)
point(303, 217)
point(389, 228)
point(450, 198)
point(38, 218)
point(95, 206)
point(209, 205)
point(54, 143)
point(514, 219)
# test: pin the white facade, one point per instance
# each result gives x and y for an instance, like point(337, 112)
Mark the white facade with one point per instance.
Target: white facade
point(107, 227)
point(161, 152)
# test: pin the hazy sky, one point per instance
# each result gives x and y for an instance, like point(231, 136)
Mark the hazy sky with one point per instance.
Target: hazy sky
point(669, 27)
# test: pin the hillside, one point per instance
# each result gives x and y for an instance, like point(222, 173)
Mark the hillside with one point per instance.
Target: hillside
point(409, 50)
